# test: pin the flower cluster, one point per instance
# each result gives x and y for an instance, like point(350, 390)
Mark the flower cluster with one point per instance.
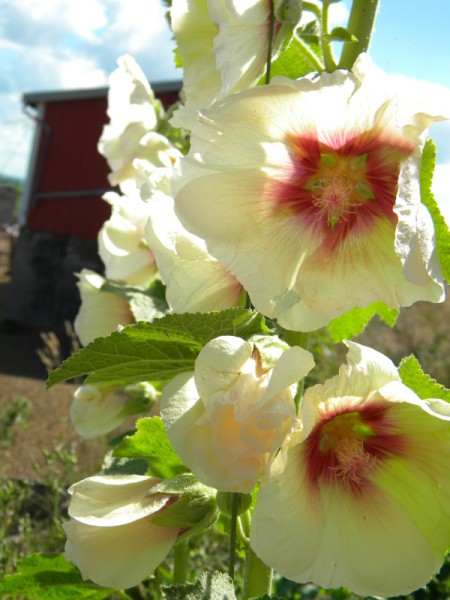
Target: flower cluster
point(294, 204)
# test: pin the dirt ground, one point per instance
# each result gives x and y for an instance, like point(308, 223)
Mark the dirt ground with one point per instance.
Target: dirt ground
point(23, 375)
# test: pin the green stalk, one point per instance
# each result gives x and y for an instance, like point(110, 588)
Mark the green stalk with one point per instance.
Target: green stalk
point(180, 567)
point(327, 51)
point(270, 46)
point(234, 516)
point(360, 24)
point(258, 576)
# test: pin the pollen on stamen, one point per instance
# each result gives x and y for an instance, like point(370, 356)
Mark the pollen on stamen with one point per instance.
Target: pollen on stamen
point(355, 463)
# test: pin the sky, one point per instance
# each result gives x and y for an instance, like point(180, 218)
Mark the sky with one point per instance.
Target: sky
point(51, 45)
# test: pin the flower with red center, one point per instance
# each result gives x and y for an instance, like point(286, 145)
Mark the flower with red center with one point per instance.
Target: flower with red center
point(360, 496)
point(308, 192)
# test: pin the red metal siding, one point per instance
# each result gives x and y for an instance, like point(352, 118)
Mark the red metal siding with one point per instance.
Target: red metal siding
point(69, 162)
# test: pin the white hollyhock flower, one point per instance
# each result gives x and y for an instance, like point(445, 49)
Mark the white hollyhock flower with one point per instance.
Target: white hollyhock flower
point(96, 411)
point(361, 497)
point(100, 312)
point(121, 241)
point(111, 537)
point(196, 282)
point(130, 134)
point(223, 46)
point(308, 192)
point(228, 418)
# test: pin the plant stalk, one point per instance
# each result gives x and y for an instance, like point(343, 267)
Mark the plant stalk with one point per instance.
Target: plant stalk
point(360, 24)
point(234, 516)
point(180, 567)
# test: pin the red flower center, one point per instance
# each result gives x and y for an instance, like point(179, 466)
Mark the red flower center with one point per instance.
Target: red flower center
point(346, 448)
point(344, 184)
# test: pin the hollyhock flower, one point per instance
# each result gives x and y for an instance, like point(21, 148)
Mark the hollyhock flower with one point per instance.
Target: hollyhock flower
point(308, 192)
point(96, 410)
point(100, 312)
point(361, 497)
point(195, 281)
point(223, 46)
point(121, 242)
point(228, 418)
point(134, 115)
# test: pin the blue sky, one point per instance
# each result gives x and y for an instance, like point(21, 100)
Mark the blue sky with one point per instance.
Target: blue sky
point(69, 44)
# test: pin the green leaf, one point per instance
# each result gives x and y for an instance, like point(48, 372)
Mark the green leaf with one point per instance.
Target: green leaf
point(423, 385)
point(155, 351)
point(293, 61)
point(210, 586)
point(145, 304)
point(151, 443)
point(353, 323)
point(49, 577)
point(440, 226)
point(340, 34)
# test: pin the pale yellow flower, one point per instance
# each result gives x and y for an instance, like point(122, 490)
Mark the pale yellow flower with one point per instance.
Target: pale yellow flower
point(100, 312)
point(360, 497)
point(228, 418)
point(308, 192)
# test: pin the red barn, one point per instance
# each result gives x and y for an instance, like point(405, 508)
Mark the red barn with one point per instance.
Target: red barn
point(62, 209)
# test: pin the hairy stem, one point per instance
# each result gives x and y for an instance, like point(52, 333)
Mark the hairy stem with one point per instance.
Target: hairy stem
point(180, 568)
point(360, 24)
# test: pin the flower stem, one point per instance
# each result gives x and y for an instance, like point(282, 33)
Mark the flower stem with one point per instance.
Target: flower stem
point(327, 50)
point(360, 24)
point(234, 516)
point(180, 568)
point(270, 45)
point(258, 576)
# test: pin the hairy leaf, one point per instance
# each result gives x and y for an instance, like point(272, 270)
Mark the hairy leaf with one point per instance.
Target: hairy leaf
point(151, 443)
point(354, 322)
point(155, 351)
point(423, 385)
point(210, 586)
point(49, 577)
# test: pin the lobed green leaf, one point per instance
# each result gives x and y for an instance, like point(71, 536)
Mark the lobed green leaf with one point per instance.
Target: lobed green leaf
point(352, 323)
point(423, 385)
point(210, 586)
point(155, 351)
point(49, 577)
point(427, 197)
point(150, 442)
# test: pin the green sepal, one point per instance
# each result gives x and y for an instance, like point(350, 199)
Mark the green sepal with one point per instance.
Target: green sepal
point(423, 385)
point(225, 502)
point(353, 322)
point(288, 11)
point(194, 510)
point(440, 226)
point(150, 442)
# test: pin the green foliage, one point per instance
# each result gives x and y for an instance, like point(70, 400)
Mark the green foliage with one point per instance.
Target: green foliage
point(427, 197)
point(340, 34)
point(49, 577)
point(150, 442)
point(209, 586)
point(353, 323)
point(295, 61)
point(15, 412)
point(155, 351)
point(423, 385)
point(145, 305)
